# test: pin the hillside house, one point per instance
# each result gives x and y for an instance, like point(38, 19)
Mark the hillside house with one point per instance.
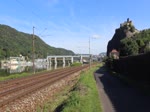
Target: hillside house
point(114, 54)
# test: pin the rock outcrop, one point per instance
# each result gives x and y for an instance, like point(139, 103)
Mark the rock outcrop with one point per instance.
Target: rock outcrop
point(126, 30)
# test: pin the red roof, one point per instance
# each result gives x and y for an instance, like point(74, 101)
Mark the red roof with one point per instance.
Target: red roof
point(114, 51)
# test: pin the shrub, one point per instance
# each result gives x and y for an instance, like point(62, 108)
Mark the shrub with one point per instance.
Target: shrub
point(76, 64)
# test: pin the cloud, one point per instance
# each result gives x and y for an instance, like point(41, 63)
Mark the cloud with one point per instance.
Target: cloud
point(95, 36)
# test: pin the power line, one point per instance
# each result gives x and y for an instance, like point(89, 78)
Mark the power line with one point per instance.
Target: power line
point(42, 31)
point(35, 14)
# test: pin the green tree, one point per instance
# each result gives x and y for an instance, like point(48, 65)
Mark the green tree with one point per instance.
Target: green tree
point(17, 43)
point(147, 48)
point(128, 46)
point(132, 28)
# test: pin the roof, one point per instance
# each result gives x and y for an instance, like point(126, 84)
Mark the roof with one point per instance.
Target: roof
point(114, 51)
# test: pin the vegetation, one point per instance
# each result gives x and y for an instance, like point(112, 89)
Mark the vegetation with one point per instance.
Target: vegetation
point(84, 96)
point(143, 41)
point(13, 76)
point(76, 64)
point(53, 103)
point(7, 76)
point(14, 43)
point(128, 41)
point(132, 69)
point(139, 43)
point(128, 47)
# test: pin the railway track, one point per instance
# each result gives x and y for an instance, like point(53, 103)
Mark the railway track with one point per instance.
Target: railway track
point(14, 89)
point(5, 85)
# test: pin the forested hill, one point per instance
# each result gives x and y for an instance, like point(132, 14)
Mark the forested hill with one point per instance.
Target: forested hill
point(14, 43)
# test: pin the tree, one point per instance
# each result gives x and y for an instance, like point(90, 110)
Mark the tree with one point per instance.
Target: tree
point(14, 43)
point(132, 29)
point(147, 48)
point(141, 45)
point(128, 46)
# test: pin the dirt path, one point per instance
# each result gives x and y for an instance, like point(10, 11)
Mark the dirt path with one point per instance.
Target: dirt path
point(117, 96)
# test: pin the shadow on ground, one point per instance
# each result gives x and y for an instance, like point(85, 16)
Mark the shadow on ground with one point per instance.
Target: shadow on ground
point(123, 97)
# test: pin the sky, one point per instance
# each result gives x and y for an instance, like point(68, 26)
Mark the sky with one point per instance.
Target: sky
point(70, 24)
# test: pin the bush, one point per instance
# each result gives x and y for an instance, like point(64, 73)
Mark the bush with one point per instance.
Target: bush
point(128, 47)
point(76, 64)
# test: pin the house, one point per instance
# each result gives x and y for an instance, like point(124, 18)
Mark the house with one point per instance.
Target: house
point(114, 54)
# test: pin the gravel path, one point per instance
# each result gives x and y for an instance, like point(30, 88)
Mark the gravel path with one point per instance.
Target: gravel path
point(117, 96)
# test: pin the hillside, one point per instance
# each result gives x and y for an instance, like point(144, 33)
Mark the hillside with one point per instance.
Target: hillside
point(127, 40)
point(14, 43)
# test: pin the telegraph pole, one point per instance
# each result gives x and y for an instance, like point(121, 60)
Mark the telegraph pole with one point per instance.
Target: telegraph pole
point(33, 49)
point(89, 55)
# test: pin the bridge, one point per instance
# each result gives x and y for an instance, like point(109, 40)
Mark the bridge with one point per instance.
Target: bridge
point(65, 58)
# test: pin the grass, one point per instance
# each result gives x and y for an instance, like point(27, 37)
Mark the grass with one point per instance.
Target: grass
point(84, 96)
point(14, 76)
point(19, 75)
point(52, 104)
point(76, 64)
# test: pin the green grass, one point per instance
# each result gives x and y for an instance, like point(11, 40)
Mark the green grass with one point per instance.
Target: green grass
point(84, 96)
point(55, 101)
point(18, 75)
point(76, 64)
point(14, 76)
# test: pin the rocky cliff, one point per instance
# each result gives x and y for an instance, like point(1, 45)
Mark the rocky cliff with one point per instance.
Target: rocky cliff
point(126, 30)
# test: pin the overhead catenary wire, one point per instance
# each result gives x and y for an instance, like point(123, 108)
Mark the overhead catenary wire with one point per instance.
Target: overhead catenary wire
point(37, 27)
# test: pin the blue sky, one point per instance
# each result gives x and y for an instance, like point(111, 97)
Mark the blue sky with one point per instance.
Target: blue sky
point(70, 23)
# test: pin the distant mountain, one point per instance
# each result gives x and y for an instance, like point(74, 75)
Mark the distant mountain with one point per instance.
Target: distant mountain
point(14, 43)
point(127, 40)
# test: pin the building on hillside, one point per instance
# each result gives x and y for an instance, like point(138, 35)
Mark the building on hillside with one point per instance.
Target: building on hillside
point(114, 54)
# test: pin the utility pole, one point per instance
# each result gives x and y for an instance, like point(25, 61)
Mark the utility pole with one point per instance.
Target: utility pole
point(89, 55)
point(33, 49)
